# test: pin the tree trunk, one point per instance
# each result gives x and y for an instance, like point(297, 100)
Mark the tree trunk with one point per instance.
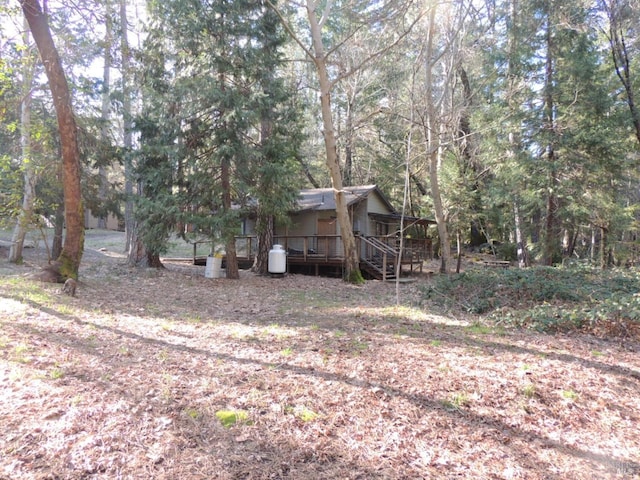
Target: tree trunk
point(351, 258)
point(58, 232)
point(130, 228)
point(265, 220)
point(348, 148)
point(104, 131)
point(443, 233)
point(229, 238)
point(153, 260)
point(573, 239)
point(264, 228)
point(418, 184)
point(74, 219)
point(466, 146)
point(433, 129)
point(514, 137)
point(26, 214)
point(603, 248)
point(521, 246)
point(308, 174)
point(551, 240)
point(458, 251)
point(137, 253)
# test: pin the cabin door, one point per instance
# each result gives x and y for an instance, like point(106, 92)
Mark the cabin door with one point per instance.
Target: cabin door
point(327, 244)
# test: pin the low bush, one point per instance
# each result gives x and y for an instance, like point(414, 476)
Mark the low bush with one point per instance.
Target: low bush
point(546, 298)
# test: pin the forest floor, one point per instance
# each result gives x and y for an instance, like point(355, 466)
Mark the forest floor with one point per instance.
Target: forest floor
point(166, 374)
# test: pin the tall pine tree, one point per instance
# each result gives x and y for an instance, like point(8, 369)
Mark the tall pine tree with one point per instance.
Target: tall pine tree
point(230, 118)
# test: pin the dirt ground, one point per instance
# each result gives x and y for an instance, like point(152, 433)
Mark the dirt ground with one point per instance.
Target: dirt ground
point(165, 374)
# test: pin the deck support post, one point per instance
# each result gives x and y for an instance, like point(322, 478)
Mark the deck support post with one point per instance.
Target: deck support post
point(384, 267)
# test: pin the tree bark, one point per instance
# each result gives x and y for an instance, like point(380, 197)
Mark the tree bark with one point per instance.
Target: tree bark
point(265, 220)
point(264, 228)
point(132, 246)
point(351, 258)
point(308, 174)
point(229, 238)
point(348, 147)
point(104, 131)
point(466, 146)
point(58, 232)
point(551, 240)
point(603, 248)
point(521, 245)
point(514, 138)
point(137, 255)
point(74, 240)
point(433, 129)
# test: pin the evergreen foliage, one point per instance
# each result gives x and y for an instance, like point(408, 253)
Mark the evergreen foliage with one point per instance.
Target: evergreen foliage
point(226, 110)
point(588, 160)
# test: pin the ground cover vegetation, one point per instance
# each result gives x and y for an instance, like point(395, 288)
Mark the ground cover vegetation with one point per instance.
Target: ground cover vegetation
point(163, 373)
point(547, 299)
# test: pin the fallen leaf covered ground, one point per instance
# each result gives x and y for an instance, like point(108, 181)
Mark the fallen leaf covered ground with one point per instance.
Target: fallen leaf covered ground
point(170, 375)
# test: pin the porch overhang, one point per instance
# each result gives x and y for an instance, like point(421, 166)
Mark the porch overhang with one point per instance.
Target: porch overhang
point(395, 218)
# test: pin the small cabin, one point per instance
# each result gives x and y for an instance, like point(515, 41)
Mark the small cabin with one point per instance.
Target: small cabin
point(313, 243)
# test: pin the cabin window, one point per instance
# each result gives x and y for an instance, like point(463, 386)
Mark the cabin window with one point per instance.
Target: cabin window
point(382, 229)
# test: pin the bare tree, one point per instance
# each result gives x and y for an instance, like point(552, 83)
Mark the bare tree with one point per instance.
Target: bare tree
point(352, 259)
point(320, 55)
point(434, 130)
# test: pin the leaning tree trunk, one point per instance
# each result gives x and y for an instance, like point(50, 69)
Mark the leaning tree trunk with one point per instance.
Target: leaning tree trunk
point(351, 257)
point(69, 260)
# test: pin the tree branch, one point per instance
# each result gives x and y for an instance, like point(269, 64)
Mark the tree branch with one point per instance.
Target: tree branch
point(378, 53)
point(289, 30)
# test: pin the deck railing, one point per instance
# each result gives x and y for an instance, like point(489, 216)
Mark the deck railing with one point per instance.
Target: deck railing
point(378, 254)
point(330, 246)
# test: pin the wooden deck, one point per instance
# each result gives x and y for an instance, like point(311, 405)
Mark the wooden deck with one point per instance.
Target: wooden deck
point(323, 254)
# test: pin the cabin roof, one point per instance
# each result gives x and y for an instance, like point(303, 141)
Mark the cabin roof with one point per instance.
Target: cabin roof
point(316, 199)
point(323, 198)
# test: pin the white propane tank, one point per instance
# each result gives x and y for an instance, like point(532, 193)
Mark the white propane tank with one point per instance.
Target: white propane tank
point(213, 269)
point(277, 260)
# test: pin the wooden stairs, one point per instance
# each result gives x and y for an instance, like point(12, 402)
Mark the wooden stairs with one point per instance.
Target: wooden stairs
point(379, 260)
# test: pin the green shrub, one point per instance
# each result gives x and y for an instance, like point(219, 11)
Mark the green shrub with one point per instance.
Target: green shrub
point(507, 251)
point(546, 299)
